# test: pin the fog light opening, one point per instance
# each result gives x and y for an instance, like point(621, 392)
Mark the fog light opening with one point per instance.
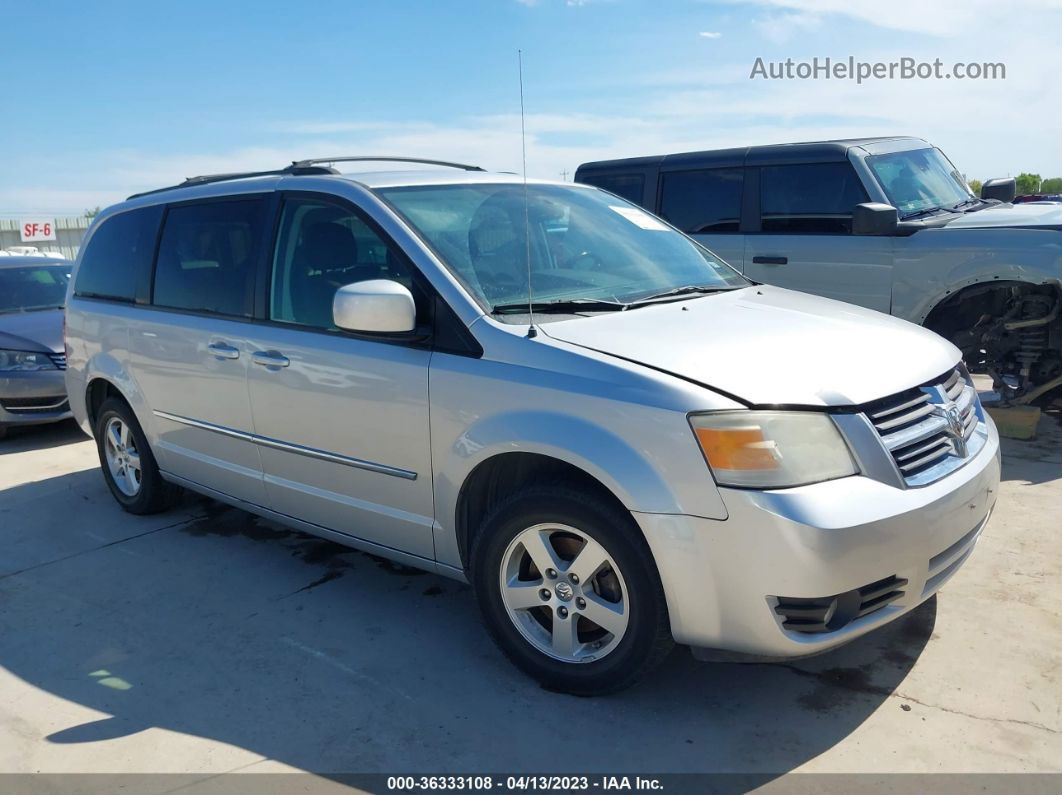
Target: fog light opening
point(843, 609)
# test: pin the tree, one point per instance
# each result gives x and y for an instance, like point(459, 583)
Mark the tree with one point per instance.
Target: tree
point(1052, 185)
point(92, 212)
point(1028, 183)
point(975, 186)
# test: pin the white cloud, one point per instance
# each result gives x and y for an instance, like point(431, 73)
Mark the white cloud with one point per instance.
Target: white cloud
point(710, 34)
point(989, 128)
point(981, 125)
point(947, 18)
point(780, 28)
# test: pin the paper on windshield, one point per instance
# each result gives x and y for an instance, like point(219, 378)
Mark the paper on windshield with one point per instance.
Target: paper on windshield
point(638, 218)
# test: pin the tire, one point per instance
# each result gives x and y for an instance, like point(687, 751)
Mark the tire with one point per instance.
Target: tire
point(623, 592)
point(139, 491)
point(3, 431)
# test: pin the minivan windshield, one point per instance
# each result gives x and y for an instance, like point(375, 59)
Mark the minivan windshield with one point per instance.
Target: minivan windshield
point(32, 287)
point(588, 250)
point(920, 179)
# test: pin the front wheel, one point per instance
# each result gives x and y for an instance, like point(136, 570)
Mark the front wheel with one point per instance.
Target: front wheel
point(568, 590)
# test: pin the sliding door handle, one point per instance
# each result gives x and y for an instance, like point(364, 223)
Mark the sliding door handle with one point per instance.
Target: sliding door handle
point(770, 260)
point(270, 359)
point(223, 350)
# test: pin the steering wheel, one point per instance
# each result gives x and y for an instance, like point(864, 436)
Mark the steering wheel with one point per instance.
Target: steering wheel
point(592, 262)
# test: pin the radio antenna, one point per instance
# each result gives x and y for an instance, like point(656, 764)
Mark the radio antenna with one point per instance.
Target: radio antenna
point(532, 332)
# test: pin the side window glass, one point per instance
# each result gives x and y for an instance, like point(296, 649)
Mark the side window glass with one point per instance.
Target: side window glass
point(207, 257)
point(117, 254)
point(322, 247)
point(813, 198)
point(703, 202)
point(627, 186)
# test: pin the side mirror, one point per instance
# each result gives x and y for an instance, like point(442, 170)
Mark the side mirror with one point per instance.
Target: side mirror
point(377, 306)
point(874, 218)
point(1002, 189)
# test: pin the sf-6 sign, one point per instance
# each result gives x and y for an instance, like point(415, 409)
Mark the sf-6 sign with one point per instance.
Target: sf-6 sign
point(35, 229)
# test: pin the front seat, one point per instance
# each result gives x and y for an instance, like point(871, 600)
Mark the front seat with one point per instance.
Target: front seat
point(496, 248)
point(326, 259)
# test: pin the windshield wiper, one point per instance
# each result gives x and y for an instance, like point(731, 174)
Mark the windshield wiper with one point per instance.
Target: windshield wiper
point(965, 203)
point(676, 292)
point(567, 306)
point(927, 211)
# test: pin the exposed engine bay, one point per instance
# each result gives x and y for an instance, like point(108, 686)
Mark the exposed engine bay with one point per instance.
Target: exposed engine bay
point(1010, 330)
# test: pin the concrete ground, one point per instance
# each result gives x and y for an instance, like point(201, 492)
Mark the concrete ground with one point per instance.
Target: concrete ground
point(205, 640)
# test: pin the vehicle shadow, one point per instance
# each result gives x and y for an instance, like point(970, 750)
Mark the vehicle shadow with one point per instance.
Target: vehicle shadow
point(21, 438)
point(230, 628)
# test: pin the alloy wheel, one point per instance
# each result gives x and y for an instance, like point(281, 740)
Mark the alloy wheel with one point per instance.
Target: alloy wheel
point(123, 459)
point(564, 593)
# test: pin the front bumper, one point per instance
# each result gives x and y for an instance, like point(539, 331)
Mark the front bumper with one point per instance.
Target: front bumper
point(30, 398)
point(723, 579)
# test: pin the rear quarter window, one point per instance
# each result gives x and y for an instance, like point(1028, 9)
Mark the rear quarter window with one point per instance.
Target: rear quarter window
point(118, 255)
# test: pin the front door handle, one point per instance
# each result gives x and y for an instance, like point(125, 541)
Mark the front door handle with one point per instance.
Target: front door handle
point(270, 359)
point(770, 260)
point(223, 350)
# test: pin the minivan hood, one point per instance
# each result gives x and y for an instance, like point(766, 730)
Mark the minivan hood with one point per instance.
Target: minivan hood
point(40, 331)
point(1024, 215)
point(767, 345)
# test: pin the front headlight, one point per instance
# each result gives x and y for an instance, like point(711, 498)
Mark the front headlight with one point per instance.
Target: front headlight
point(24, 360)
point(772, 449)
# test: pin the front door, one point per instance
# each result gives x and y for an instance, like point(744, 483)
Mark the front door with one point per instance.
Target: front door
point(847, 268)
point(341, 420)
point(805, 239)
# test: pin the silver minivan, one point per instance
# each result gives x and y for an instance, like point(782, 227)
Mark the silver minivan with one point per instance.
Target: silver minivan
point(538, 388)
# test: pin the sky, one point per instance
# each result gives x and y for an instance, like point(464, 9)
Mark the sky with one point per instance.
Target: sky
point(104, 99)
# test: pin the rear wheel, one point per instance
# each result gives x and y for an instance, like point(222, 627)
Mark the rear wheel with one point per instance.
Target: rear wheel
point(128, 464)
point(569, 591)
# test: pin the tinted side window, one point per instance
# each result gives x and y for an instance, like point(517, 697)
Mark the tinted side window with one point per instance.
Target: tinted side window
point(322, 247)
point(628, 186)
point(814, 198)
point(117, 254)
point(207, 256)
point(703, 201)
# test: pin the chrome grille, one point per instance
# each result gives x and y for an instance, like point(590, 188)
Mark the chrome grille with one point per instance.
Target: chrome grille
point(58, 359)
point(929, 430)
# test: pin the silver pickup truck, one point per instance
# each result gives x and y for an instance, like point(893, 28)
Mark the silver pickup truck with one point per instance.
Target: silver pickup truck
point(886, 223)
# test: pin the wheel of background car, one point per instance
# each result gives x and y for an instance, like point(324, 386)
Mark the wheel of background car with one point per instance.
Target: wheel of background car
point(569, 592)
point(128, 465)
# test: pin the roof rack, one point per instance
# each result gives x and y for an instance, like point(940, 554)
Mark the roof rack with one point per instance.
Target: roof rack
point(301, 167)
point(206, 179)
point(444, 163)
